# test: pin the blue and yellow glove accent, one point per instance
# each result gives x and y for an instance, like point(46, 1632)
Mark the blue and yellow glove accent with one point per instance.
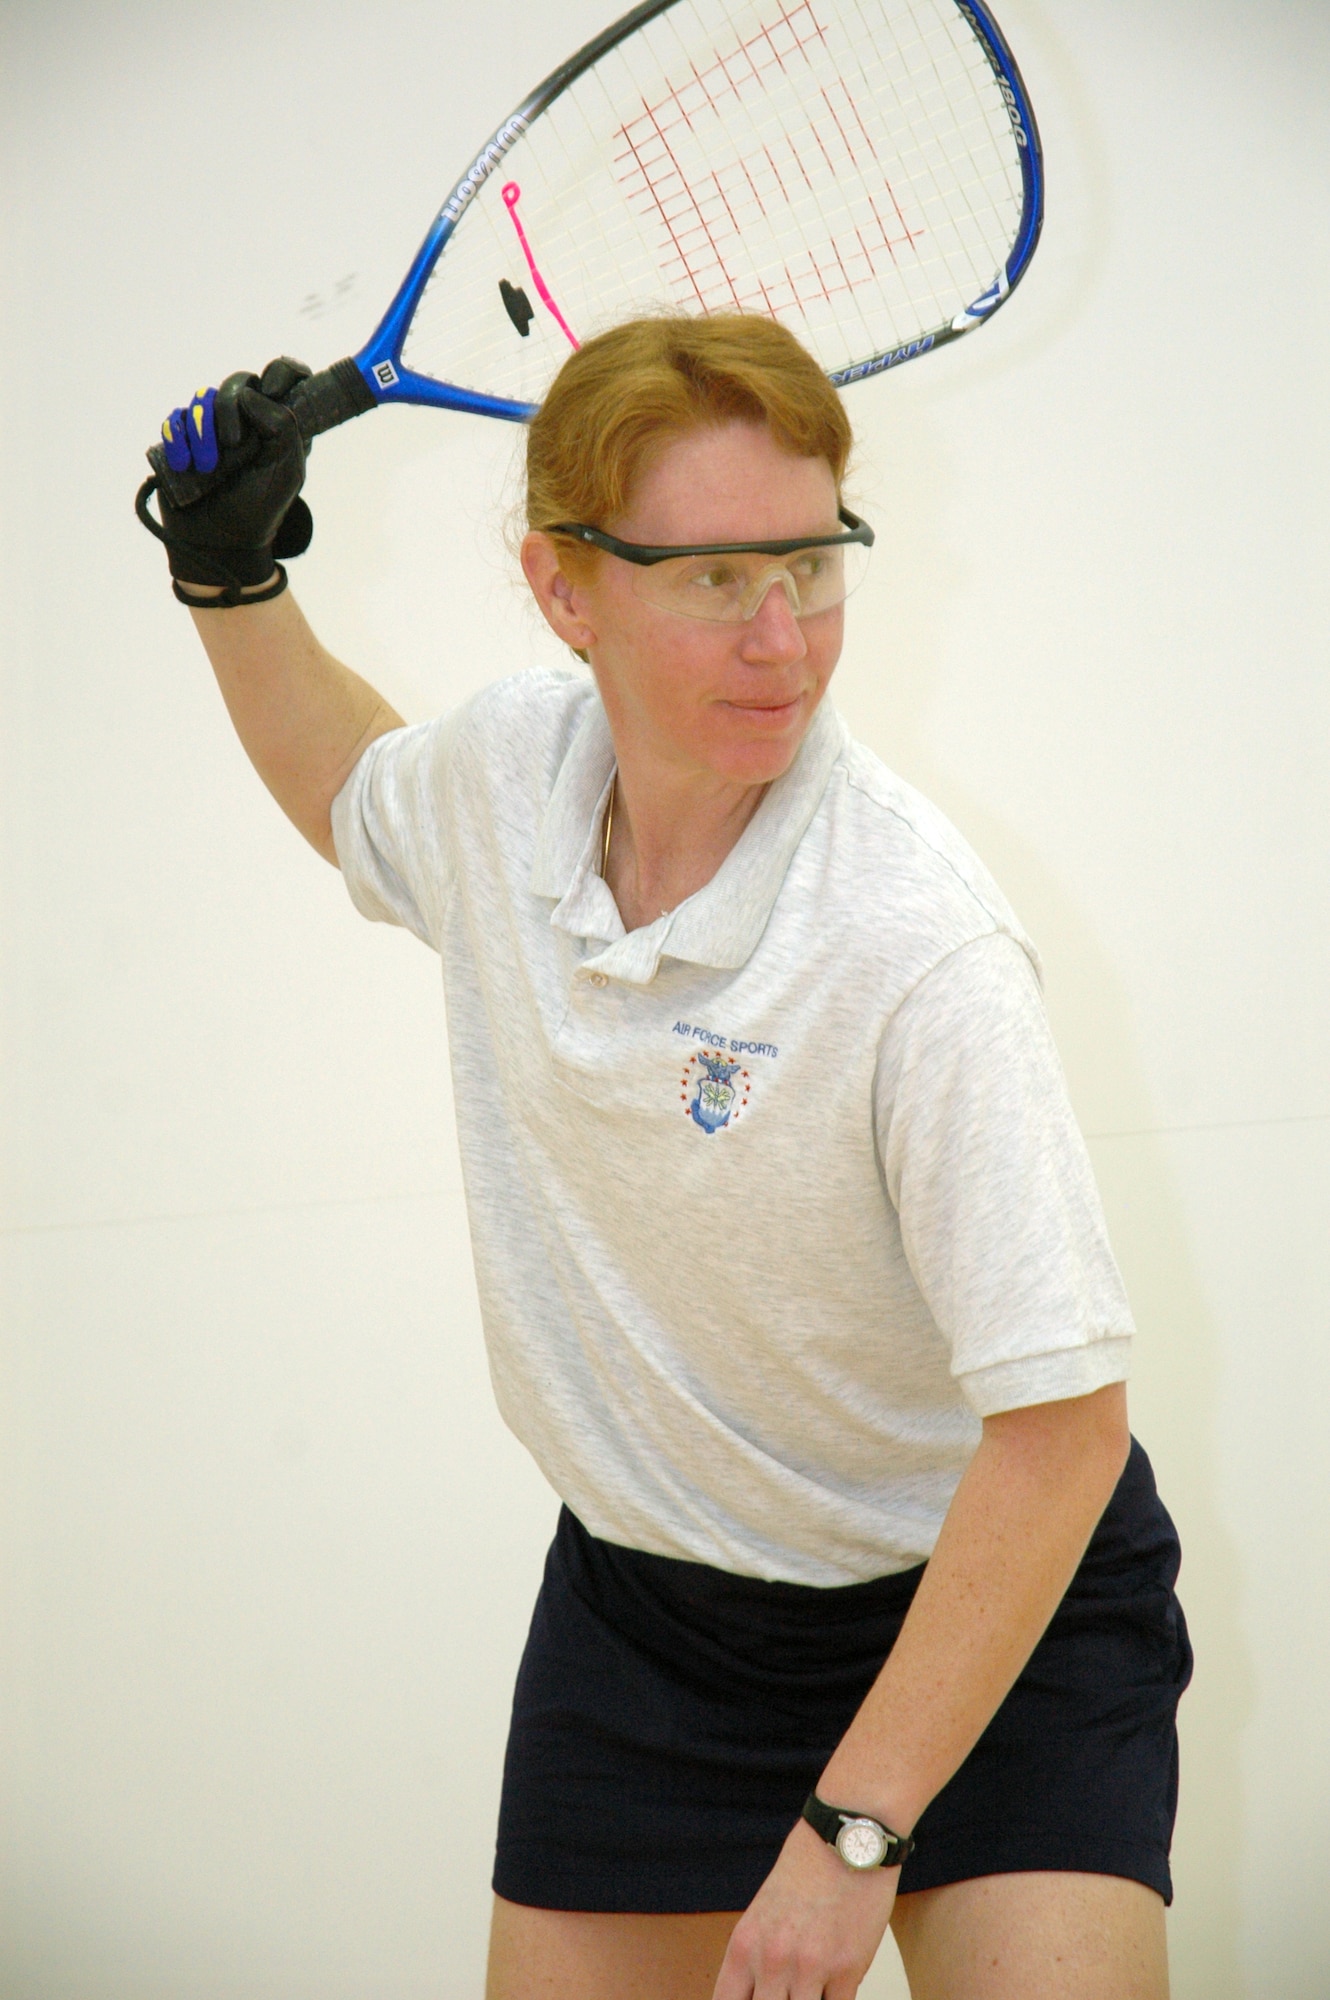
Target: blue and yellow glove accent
point(175, 442)
point(189, 437)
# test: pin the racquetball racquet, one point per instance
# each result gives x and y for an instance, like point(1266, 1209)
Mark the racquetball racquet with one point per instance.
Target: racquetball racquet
point(866, 171)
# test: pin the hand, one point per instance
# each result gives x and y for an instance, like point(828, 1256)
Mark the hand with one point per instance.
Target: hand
point(243, 438)
point(813, 1928)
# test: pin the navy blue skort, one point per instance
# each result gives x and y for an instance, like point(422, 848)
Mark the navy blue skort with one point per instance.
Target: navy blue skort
point(669, 1720)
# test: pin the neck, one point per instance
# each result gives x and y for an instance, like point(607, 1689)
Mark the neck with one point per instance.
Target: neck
point(671, 832)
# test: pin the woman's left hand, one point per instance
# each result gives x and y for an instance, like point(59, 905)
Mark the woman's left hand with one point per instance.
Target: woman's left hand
point(813, 1928)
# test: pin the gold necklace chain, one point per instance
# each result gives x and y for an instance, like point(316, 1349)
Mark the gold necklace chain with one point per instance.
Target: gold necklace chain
point(608, 828)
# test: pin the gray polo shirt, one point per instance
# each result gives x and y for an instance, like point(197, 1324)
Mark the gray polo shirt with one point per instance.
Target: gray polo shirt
point(771, 1200)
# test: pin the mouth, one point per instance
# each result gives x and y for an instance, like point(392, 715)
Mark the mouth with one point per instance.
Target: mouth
point(769, 712)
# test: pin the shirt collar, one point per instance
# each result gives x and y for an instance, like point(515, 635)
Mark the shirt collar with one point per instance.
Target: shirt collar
point(718, 926)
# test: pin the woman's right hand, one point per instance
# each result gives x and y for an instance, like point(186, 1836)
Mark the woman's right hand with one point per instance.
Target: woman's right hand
point(243, 441)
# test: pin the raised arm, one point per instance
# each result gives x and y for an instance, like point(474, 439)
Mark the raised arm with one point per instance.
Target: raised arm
point(303, 717)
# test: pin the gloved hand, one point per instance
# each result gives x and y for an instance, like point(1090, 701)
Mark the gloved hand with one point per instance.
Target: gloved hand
point(243, 438)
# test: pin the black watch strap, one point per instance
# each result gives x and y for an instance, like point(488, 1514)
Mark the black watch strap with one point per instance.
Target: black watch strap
point(832, 1823)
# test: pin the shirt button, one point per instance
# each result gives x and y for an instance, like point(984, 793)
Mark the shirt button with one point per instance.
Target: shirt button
point(598, 979)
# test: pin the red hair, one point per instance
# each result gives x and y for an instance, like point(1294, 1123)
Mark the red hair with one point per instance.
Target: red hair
point(617, 402)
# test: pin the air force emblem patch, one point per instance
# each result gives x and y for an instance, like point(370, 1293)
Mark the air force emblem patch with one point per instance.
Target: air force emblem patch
point(714, 1090)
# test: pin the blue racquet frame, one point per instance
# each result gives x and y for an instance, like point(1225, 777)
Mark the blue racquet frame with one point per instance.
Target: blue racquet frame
point(380, 359)
point(378, 374)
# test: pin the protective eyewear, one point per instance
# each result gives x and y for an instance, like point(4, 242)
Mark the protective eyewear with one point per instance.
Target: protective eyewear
point(727, 581)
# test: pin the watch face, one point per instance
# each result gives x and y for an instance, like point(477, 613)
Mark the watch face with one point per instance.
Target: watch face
point(861, 1843)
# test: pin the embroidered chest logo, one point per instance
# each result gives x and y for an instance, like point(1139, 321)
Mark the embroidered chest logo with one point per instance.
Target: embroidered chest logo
point(714, 1090)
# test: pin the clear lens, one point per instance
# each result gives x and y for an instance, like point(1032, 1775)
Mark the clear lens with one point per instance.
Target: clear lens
point(730, 588)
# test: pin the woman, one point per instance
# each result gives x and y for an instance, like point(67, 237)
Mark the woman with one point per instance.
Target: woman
point(793, 1274)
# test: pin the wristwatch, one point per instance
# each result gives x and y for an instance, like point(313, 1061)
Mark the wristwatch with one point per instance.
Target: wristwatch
point(860, 1841)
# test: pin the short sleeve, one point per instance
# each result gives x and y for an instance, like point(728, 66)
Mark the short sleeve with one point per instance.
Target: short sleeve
point(1000, 1218)
point(390, 827)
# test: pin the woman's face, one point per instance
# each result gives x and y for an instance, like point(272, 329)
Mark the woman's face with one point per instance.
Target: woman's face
point(733, 700)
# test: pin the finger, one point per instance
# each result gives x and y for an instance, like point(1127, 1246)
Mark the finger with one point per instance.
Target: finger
point(269, 419)
point(202, 431)
point(802, 1983)
point(279, 378)
point(175, 442)
point(736, 1980)
point(226, 411)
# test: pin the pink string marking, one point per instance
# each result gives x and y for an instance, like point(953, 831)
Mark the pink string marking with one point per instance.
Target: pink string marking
point(512, 194)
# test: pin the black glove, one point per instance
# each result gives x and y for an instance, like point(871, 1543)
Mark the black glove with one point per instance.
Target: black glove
point(244, 441)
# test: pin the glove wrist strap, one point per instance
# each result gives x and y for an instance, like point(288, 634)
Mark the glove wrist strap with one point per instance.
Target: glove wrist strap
point(235, 570)
point(232, 595)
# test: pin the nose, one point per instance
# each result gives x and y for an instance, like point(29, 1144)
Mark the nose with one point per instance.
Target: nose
point(773, 635)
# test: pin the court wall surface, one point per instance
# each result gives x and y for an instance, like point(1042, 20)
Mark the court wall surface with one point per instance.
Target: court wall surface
point(268, 1551)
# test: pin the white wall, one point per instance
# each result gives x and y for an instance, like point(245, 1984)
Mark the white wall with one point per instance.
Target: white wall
point(269, 1553)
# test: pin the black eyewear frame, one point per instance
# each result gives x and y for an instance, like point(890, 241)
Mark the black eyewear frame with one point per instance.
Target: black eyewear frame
point(644, 555)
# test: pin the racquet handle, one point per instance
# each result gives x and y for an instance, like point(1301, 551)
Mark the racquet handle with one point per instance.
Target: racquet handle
point(319, 403)
point(331, 397)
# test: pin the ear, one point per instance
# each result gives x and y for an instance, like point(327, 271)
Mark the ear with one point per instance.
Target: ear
point(559, 597)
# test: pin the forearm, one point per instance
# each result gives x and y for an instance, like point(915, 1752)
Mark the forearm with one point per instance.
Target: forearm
point(302, 716)
point(1013, 1536)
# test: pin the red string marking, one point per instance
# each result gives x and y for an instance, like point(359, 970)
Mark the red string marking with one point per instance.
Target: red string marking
point(702, 219)
point(866, 136)
point(753, 187)
point(703, 91)
point(771, 162)
point(512, 194)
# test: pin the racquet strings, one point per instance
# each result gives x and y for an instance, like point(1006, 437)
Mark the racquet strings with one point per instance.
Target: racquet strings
point(848, 166)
